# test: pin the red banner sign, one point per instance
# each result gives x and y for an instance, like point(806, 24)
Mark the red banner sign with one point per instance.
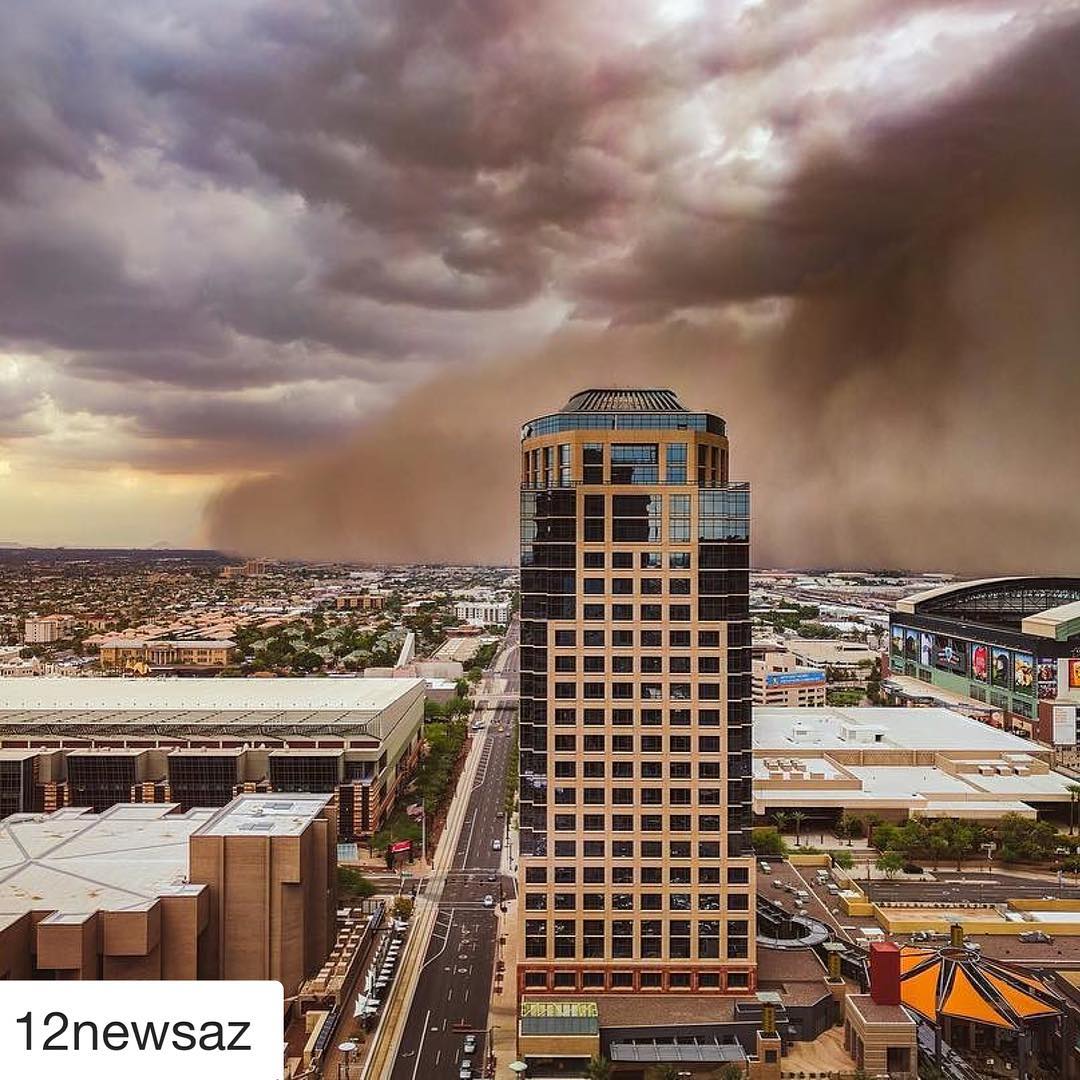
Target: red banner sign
point(401, 845)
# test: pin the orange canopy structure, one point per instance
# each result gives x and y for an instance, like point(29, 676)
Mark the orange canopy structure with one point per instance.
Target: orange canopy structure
point(959, 983)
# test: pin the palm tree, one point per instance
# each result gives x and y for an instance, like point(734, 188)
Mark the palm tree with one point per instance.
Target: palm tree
point(662, 1072)
point(780, 820)
point(843, 828)
point(797, 818)
point(599, 1068)
point(729, 1071)
point(1074, 797)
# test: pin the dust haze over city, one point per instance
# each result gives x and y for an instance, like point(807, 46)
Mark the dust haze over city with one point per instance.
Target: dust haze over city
point(538, 539)
point(286, 282)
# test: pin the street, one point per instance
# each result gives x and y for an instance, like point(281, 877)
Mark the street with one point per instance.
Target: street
point(457, 971)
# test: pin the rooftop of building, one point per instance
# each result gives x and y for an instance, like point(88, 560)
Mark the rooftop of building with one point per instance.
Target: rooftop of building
point(625, 400)
point(74, 861)
point(281, 815)
point(240, 708)
point(110, 695)
point(778, 729)
point(624, 408)
point(121, 642)
point(1041, 606)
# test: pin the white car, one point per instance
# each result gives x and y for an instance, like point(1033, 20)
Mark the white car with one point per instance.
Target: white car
point(489, 900)
point(470, 1044)
point(496, 845)
point(466, 1069)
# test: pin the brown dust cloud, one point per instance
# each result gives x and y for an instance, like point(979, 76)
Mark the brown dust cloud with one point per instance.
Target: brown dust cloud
point(894, 342)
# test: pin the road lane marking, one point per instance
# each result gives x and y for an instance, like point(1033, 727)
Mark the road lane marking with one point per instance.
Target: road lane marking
point(420, 1048)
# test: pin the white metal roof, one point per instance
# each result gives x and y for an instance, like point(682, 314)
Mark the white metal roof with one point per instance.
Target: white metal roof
point(910, 728)
point(203, 695)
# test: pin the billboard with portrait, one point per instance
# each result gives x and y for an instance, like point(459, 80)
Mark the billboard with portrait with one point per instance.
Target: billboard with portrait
point(980, 663)
point(1046, 672)
point(926, 649)
point(951, 655)
point(1024, 674)
point(1000, 668)
point(1074, 674)
point(898, 641)
point(911, 644)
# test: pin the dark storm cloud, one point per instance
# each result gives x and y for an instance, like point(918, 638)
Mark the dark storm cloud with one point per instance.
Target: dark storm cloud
point(229, 232)
point(255, 196)
point(917, 406)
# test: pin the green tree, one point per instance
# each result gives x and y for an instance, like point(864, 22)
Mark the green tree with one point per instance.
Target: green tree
point(599, 1068)
point(938, 848)
point(780, 820)
point(845, 828)
point(307, 662)
point(844, 859)
point(729, 1071)
point(885, 836)
point(352, 883)
point(662, 1072)
point(1074, 799)
point(767, 841)
point(890, 863)
point(402, 908)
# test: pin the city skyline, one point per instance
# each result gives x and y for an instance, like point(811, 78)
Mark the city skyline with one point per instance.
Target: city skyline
point(231, 310)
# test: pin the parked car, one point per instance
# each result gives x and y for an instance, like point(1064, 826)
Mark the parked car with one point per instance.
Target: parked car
point(1036, 937)
point(489, 900)
point(465, 1072)
point(496, 845)
point(470, 1044)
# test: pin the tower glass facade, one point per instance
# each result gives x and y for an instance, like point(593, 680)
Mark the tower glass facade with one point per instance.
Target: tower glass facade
point(636, 872)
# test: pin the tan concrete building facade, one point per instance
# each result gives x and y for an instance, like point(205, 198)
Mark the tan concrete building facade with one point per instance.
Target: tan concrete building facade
point(636, 873)
point(778, 679)
point(137, 654)
point(46, 629)
point(145, 892)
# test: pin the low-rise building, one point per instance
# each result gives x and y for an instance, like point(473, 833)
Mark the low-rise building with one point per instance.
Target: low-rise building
point(483, 612)
point(247, 891)
point(847, 658)
point(151, 654)
point(47, 629)
point(779, 680)
point(897, 763)
point(200, 742)
point(360, 602)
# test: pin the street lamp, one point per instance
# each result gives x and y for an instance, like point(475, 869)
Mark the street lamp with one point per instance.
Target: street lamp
point(348, 1049)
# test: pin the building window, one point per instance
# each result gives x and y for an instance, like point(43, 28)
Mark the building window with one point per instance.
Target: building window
point(634, 463)
point(675, 459)
point(592, 463)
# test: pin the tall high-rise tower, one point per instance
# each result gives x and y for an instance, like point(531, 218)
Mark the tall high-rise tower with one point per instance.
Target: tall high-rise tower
point(636, 872)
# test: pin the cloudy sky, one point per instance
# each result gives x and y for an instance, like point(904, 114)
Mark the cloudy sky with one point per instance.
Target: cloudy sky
point(286, 277)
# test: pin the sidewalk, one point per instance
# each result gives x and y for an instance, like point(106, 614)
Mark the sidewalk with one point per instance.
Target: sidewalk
point(502, 1012)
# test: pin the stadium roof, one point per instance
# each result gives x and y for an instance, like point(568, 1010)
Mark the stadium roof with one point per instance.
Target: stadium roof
point(1044, 606)
point(642, 400)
